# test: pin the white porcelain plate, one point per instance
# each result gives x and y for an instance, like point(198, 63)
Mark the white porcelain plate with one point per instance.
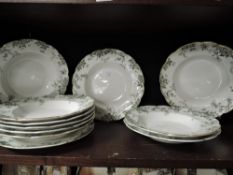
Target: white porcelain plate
point(45, 108)
point(31, 68)
point(181, 123)
point(199, 76)
point(113, 79)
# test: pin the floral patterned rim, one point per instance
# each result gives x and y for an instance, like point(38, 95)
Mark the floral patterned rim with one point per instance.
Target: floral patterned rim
point(166, 139)
point(209, 125)
point(86, 103)
point(13, 48)
point(17, 142)
point(108, 112)
point(221, 54)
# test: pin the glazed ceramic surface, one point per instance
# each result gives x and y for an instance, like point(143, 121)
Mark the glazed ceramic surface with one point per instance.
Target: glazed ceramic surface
point(199, 76)
point(45, 108)
point(168, 139)
point(178, 122)
point(35, 142)
point(31, 68)
point(113, 79)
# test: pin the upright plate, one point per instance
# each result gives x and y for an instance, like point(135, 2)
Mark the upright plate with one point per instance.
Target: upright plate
point(31, 68)
point(49, 130)
point(45, 108)
point(113, 79)
point(165, 120)
point(199, 76)
point(36, 142)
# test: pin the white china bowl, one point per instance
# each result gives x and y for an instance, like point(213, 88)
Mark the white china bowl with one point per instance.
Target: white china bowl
point(199, 76)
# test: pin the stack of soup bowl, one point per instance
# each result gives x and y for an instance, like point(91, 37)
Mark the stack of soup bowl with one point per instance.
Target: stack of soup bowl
point(33, 77)
point(46, 121)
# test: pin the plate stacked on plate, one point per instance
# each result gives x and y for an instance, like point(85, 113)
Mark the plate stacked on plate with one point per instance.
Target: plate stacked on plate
point(199, 76)
point(172, 125)
point(46, 121)
point(113, 79)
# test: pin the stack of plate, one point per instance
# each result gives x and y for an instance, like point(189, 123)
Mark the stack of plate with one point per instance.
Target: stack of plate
point(199, 76)
point(172, 125)
point(46, 121)
point(31, 68)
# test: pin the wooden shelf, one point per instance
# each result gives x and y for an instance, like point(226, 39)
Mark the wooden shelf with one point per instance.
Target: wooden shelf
point(112, 144)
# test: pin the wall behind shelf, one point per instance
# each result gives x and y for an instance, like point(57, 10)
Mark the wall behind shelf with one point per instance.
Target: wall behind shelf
point(148, 33)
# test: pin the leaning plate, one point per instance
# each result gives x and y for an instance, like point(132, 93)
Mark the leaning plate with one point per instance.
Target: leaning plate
point(199, 76)
point(165, 120)
point(31, 68)
point(45, 108)
point(113, 79)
